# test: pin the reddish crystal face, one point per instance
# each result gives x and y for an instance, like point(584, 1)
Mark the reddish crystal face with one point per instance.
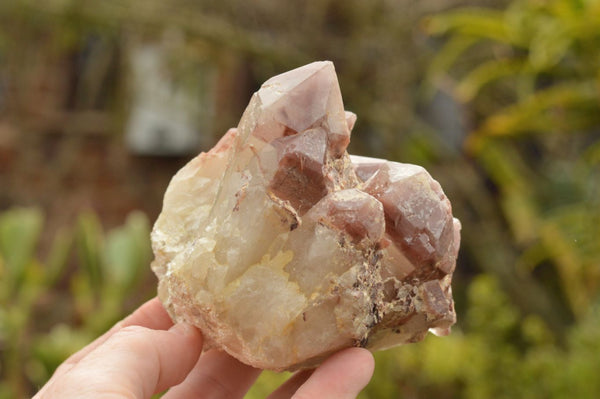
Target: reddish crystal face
point(299, 178)
point(352, 211)
point(418, 214)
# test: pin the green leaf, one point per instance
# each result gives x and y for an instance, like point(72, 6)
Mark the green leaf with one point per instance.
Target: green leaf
point(535, 113)
point(486, 73)
point(20, 229)
point(503, 165)
point(549, 45)
point(89, 242)
point(482, 23)
point(128, 251)
point(569, 266)
point(521, 213)
point(58, 255)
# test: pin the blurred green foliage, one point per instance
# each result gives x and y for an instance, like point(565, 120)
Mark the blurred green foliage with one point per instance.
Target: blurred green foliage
point(529, 76)
point(52, 306)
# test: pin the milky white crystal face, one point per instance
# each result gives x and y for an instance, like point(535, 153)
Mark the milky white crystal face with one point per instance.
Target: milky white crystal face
point(283, 249)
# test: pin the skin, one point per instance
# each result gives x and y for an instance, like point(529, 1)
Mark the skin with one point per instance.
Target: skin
point(146, 354)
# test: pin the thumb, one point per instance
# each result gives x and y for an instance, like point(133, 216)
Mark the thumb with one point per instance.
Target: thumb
point(135, 362)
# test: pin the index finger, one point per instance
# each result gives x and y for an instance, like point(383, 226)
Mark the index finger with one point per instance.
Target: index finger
point(151, 315)
point(342, 376)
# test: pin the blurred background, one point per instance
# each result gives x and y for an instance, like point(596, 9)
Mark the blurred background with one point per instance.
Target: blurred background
point(102, 102)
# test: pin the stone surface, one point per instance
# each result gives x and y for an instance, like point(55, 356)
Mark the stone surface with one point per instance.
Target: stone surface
point(283, 249)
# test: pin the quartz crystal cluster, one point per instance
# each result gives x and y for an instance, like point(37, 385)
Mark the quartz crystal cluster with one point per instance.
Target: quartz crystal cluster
point(283, 249)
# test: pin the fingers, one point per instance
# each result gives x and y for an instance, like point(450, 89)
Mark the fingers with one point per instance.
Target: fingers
point(134, 362)
point(341, 376)
point(216, 375)
point(288, 388)
point(151, 315)
point(137, 358)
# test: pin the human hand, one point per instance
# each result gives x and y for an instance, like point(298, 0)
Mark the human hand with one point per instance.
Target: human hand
point(145, 354)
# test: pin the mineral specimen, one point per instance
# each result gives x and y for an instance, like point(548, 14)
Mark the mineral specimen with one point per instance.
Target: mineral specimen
point(283, 249)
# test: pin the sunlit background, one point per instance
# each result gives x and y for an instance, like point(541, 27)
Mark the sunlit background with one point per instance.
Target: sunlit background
point(101, 102)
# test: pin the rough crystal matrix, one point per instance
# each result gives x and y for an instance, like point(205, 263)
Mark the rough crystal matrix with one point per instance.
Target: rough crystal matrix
point(283, 249)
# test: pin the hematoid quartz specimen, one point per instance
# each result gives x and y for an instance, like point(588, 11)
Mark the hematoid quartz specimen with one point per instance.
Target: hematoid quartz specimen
point(283, 249)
